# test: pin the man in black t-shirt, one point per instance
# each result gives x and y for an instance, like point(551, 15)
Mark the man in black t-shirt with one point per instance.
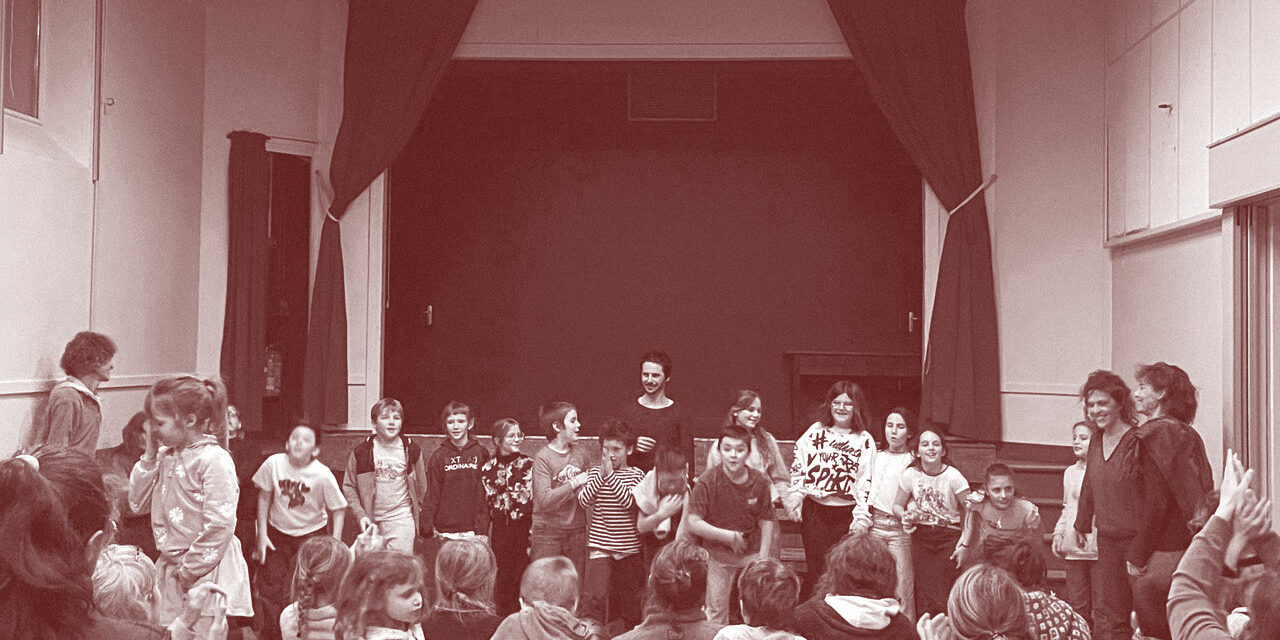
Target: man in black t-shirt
point(656, 419)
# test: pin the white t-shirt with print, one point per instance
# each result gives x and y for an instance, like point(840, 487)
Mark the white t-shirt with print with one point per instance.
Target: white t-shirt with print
point(934, 497)
point(302, 497)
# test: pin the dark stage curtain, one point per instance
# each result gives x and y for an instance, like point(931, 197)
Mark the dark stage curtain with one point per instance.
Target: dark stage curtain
point(244, 324)
point(914, 55)
point(396, 53)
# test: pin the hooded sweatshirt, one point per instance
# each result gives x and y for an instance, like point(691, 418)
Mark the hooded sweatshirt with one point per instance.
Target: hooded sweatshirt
point(748, 632)
point(319, 624)
point(542, 621)
point(840, 617)
point(455, 501)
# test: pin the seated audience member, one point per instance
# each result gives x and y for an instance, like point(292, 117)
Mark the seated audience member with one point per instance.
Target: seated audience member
point(677, 588)
point(115, 463)
point(124, 583)
point(381, 598)
point(54, 518)
point(1051, 618)
point(768, 592)
point(985, 603)
point(548, 599)
point(854, 597)
point(321, 564)
point(463, 608)
point(1240, 520)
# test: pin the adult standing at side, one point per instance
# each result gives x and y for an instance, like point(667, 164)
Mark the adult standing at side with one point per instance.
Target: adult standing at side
point(1109, 491)
point(657, 419)
point(1173, 473)
point(73, 416)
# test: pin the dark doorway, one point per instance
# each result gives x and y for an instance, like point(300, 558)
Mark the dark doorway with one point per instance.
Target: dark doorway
point(286, 312)
point(539, 241)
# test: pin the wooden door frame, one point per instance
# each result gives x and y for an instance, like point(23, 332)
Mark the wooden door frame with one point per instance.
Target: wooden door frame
point(1250, 362)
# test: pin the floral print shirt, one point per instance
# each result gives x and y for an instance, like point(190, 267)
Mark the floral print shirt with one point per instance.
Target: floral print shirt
point(508, 486)
point(192, 495)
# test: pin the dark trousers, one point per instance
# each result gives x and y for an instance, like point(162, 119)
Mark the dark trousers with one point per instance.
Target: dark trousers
point(547, 540)
point(931, 549)
point(821, 527)
point(1151, 594)
point(611, 590)
point(1113, 598)
point(510, 542)
point(275, 580)
point(1082, 586)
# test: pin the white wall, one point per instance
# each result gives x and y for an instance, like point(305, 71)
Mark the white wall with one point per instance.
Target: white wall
point(121, 265)
point(1038, 83)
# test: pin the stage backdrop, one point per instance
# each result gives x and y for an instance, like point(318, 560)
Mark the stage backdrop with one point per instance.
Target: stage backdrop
point(554, 241)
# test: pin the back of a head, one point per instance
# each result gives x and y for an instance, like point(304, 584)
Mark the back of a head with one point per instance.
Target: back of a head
point(465, 572)
point(123, 582)
point(985, 601)
point(551, 580)
point(769, 592)
point(1018, 556)
point(678, 577)
point(1264, 608)
point(321, 564)
point(85, 352)
point(181, 396)
point(859, 565)
point(43, 554)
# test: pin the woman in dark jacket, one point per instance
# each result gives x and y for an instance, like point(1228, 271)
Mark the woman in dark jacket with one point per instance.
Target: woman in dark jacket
point(1172, 470)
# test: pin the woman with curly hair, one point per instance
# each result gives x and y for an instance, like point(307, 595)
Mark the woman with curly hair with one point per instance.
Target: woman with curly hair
point(73, 414)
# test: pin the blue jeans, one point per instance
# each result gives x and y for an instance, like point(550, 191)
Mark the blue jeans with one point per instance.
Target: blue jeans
point(889, 529)
point(546, 541)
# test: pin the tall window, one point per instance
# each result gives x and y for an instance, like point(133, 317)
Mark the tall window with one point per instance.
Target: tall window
point(21, 41)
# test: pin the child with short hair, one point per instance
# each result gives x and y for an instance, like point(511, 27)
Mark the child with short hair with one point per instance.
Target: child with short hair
point(559, 470)
point(854, 598)
point(1080, 560)
point(381, 598)
point(188, 484)
point(455, 505)
point(768, 592)
point(385, 478)
point(730, 510)
point(297, 498)
point(677, 589)
point(463, 607)
point(548, 599)
point(614, 563)
point(508, 485)
point(998, 511)
point(660, 499)
point(322, 563)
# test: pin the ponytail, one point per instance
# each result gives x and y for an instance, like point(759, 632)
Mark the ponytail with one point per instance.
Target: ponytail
point(182, 396)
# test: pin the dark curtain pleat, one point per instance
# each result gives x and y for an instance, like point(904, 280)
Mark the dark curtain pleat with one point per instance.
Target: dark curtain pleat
point(914, 55)
point(248, 244)
point(396, 53)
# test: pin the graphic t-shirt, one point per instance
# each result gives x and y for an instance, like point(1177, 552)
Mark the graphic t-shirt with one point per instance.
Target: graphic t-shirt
point(934, 497)
point(555, 502)
point(301, 497)
point(391, 482)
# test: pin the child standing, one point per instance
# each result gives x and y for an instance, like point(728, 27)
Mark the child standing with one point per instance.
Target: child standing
point(463, 608)
point(928, 504)
point(769, 592)
point(731, 512)
point(322, 562)
point(1080, 560)
point(886, 476)
point(455, 505)
point(614, 563)
point(559, 470)
point(381, 598)
point(997, 511)
point(297, 497)
point(508, 485)
point(548, 599)
point(763, 454)
point(385, 478)
point(660, 499)
point(188, 484)
point(832, 470)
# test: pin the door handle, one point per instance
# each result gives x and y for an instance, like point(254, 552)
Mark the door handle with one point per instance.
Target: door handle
point(428, 314)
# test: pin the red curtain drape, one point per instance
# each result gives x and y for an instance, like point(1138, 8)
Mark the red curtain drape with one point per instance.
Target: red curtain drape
point(396, 53)
point(248, 244)
point(914, 55)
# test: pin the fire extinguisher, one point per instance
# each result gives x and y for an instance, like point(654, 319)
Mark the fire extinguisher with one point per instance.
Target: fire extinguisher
point(273, 370)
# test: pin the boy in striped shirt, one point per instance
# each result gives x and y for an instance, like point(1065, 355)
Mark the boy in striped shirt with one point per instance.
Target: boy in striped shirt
point(614, 563)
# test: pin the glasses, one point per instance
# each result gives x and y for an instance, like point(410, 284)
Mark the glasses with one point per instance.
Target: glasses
point(842, 405)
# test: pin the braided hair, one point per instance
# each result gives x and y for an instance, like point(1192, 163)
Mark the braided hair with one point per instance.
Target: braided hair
point(678, 582)
point(322, 563)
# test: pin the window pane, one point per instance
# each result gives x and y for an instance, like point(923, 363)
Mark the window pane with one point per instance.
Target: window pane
point(22, 56)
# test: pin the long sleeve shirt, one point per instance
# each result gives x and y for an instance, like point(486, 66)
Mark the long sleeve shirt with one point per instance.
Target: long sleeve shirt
point(1194, 613)
point(555, 501)
point(455, 498)
point(834, 468)
point(508, 485)
point(191, 494)
point(1173, 472)
point(1109, 490)
point(72, 418)
point(612, 526)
